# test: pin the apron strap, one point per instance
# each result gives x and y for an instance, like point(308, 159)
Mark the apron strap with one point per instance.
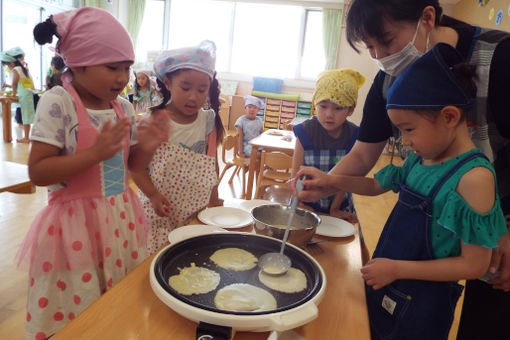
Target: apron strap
point(304, 139)
point(439, 184)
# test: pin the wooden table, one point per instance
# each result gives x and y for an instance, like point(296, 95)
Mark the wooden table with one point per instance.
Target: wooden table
point(6, 116)
point(270, 140)
point(14, 178)
point(131, 310)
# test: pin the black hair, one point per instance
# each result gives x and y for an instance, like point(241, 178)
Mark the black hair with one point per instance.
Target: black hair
point(214, 98)
point(365, 17)
point(55, 79)
point(44, 32)
point(58, 62)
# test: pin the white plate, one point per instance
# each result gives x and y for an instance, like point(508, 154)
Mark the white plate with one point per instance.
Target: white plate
point(335, 227)
point(225, 217)
point(192, 230)
point(249, 205)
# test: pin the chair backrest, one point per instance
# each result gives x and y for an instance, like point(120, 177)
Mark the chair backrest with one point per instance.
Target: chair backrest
point(276, 161)
point(229, 143)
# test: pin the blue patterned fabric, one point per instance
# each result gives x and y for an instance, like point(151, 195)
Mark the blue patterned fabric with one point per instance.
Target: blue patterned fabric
point(113, 175)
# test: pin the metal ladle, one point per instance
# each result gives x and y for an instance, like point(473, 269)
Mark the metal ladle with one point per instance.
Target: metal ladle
point(278, 263)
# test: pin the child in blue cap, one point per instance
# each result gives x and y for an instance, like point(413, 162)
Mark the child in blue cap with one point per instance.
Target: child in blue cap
point(448, 216)
point(249, 126)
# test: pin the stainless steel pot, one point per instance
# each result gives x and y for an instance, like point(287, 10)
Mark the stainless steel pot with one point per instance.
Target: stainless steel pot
point(271, 219)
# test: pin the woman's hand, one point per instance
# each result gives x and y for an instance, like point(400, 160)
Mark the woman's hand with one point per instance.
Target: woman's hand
point(160, 204)
point(317, 184)
point(379, 272)
point(152, 131)
point(110, 139)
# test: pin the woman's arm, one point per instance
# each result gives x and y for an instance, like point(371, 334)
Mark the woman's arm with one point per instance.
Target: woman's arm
point(47, 166)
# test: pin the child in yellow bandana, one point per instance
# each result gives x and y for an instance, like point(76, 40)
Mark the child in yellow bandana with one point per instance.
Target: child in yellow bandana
point(327, 137)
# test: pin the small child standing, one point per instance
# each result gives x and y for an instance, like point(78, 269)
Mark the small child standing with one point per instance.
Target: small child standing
point(22, 86)
point(182, 177)
point(93, 232)
point(448, 216)
point(145, 95)
point(249, 125)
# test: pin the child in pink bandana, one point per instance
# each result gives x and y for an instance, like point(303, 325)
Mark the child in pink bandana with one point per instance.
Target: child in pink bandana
point(183, 174)
point(93, 232)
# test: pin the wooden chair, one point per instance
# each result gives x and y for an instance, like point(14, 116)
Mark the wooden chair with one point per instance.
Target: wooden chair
point(240, 163)
point(275, 169)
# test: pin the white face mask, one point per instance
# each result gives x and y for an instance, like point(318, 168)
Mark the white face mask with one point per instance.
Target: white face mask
point(396, 63)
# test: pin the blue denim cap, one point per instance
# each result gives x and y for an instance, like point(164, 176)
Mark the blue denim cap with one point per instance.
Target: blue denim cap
point(429, 83)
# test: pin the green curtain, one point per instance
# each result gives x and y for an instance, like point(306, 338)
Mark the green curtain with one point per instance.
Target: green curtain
point(91, 3)
point(135, 17)
point(331, 27)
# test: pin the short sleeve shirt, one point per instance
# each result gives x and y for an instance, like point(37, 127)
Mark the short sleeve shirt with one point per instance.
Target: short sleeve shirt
point(193, 136)
point(251, 128)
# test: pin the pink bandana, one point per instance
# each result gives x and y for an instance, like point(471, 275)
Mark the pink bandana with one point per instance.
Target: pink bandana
point(91, 36)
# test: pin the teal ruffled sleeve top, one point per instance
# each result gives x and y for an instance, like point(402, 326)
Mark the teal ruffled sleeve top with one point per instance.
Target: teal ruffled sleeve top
point(452, 218)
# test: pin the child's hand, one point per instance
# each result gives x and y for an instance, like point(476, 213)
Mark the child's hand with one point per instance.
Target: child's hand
point(379, 272)
point(160, 204)
point(110, 139)
point(152, 131)
point(344, 215)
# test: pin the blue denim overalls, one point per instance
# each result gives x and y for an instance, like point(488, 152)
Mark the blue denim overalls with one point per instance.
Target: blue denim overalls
point(412, 309)
point(325, 160)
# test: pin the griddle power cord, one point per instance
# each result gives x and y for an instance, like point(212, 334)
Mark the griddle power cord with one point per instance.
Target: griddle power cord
point(207, 331)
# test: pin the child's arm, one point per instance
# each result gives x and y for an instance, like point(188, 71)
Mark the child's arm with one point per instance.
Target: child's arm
point(319, 180)
point(47, 166)
point(298, 158)
point(334, 209)
point(477, 188)
point(240, 137)
point(15, 79)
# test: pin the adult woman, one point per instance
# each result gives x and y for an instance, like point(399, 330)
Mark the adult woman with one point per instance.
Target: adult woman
point(396, 33)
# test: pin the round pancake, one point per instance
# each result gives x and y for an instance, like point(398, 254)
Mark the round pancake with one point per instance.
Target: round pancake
point(293, 281)
point(194, 280)
point(242, 297)
point(234, 259)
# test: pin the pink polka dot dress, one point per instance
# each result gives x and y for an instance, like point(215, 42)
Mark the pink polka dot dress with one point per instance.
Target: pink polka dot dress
point(91, 235)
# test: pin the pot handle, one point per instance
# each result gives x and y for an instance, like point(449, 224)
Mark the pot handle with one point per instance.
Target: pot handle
point(292, 319)
point(207, 331)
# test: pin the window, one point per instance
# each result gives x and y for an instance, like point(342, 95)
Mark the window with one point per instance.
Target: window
point(150, 36)
point(19, 18)
point(281, 41)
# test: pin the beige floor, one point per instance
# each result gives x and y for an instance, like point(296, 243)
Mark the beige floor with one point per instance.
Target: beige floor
point(373, 212)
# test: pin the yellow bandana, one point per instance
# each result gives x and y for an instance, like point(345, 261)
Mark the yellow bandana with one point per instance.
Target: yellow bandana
point(338, 86)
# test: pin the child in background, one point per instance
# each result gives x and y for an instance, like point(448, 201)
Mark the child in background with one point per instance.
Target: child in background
point(22, 86)
point(323, 140)
point(183, 174)
point(144, 95)
point(55, 73)
point(448, 216)
point(93, 232)
point(249, 126)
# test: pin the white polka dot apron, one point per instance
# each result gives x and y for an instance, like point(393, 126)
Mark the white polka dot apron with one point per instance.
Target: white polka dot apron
point(186, 178)
point(92, 233)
